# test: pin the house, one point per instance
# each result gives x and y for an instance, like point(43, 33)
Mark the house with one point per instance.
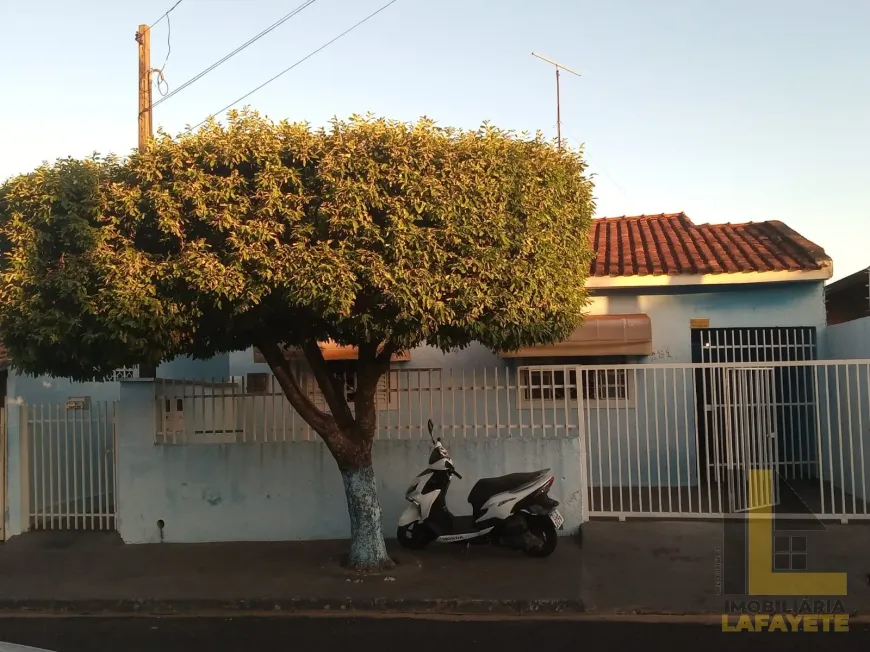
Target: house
point(701, 359)
point(663, 287)
point(848, 308)
point(848, 299)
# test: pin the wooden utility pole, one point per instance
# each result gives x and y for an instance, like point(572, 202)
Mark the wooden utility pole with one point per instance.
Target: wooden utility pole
point(558, 99)
point(146, 127)
point(146, 130)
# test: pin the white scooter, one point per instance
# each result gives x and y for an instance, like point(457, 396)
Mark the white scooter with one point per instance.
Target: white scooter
point(512, 510)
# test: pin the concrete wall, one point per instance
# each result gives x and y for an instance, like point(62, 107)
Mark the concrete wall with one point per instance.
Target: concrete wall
point(844, 424)
point(51, 390)
point(252, 491)
point(669, 309)
point(845, 421)
point(657, 442)
point(291, 491)
point(46, 396)
point(849, 340)
point(14, 517)
point(649, 440)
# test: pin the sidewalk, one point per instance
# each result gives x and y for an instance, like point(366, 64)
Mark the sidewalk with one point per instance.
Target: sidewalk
point(636, 567)
point(96, 572)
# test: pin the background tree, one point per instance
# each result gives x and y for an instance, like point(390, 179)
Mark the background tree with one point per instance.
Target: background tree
point(371, 233)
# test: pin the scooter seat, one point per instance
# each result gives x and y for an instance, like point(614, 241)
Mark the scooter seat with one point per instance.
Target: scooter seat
point(486, 488)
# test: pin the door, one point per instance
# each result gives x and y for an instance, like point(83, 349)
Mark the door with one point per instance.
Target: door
point(794, 405)
point(751, 449)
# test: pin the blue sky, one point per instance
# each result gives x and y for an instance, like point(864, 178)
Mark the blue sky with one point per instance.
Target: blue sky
point(730, 111)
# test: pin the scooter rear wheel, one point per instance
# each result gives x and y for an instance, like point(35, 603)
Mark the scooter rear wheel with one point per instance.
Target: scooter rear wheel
point(415, 536)
point(542, 527)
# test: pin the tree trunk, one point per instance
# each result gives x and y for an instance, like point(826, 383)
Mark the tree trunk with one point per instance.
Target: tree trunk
point(349, 438)
point(367, 548)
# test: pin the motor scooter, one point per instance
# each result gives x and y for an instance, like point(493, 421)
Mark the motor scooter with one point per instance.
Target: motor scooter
point(512, 510)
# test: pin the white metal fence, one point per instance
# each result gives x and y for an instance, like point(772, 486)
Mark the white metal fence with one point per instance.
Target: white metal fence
point(69, 466)
point(665, 440)
point(681, 440)
point(463, 403)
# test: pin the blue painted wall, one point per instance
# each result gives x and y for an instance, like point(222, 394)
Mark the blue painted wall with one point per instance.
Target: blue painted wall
point(15, 516)
point(846, 423)
point(669, 309)
point(177, 483)
point(51, 390)
point(292, 491)
point(674, 457)
point(848, 341)
point(752, 305)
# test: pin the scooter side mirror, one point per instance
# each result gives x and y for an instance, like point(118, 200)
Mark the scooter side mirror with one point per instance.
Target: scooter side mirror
point(431, 427)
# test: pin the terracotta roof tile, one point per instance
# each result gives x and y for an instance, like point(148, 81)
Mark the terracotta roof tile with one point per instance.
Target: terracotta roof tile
point(670, 244)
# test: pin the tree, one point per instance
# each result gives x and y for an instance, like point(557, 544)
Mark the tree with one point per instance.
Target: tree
point(371, 233)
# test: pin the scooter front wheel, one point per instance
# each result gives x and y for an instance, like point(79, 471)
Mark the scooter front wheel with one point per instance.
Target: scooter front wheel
point(543, 529)
point(415, 536)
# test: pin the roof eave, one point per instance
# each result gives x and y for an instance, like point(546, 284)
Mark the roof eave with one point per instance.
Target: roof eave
point(859, 278)
point(825, 271)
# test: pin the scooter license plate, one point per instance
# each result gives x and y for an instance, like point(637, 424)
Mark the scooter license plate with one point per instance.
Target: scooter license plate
point(557, 518)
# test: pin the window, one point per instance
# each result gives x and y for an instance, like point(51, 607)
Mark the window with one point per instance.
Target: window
point(207, 418)
point(258, 383)
point(548, 384)
point(345, 374)
point(121, 373)
point(347, 380)
point(790, 553)
point(552, 383)
point(605, 384)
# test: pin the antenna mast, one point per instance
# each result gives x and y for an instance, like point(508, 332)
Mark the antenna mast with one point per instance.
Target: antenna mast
point(558, 66)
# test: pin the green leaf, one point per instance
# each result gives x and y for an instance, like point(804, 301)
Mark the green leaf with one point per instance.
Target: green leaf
point(366, 231)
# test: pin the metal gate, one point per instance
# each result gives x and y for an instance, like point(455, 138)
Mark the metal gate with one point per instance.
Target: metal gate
point(750, 438)
point(70, 465)
point(714, 439)
point(792, 385)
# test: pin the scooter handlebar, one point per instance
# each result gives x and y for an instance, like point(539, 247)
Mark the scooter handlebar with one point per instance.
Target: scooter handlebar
point(452, 469)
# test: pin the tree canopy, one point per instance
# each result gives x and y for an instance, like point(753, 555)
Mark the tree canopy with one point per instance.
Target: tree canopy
point(372, 233)
point(368, 231)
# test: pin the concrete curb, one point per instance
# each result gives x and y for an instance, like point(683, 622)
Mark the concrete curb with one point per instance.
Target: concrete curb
point(169, 607)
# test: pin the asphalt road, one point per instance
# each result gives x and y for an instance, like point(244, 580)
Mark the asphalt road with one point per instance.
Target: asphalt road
point(333, 634)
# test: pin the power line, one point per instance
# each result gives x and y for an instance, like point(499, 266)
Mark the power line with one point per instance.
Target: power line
point(302, 60)
point(604, 171)
point(166, 15)
point(229, 56)
point(587, 154)
point(161, 80)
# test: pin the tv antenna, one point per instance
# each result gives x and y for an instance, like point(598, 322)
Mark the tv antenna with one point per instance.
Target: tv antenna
point(559, 67)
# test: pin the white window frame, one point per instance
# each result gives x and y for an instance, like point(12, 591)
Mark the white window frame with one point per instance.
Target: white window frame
point(628, 400)
point(174, 420)
point(526, 402)
point(125, 373)
point(387, 396)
